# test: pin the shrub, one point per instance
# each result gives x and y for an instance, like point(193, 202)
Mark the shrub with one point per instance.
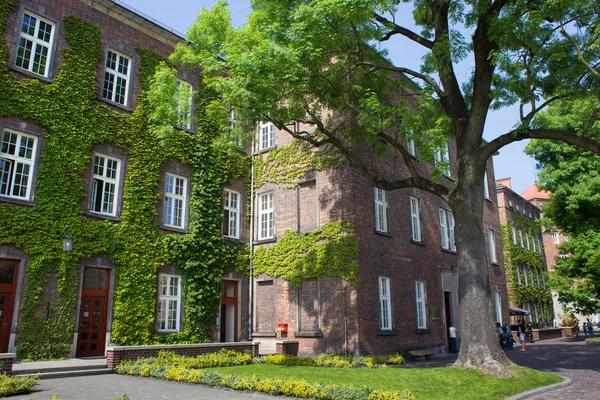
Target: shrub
point(332, 360)
point(11, 385)
point(593, 340)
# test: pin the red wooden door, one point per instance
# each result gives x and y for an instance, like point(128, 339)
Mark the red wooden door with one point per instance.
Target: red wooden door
point(8, 283)
point(91, 335)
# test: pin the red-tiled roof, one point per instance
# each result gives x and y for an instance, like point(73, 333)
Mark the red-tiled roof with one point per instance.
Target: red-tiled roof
point(534, 193)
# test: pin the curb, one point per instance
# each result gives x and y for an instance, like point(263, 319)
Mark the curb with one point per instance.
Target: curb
point(543, 389)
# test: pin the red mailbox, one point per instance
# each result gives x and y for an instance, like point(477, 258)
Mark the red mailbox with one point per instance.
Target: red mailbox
point(282, 328)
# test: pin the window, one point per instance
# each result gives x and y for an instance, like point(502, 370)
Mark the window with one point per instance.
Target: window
point(510, 203)
point(498, 304)
point(175, 201)
point(533, 243)
point(527, 240)
point(17, 155)
point(35, 44)
point(267, 136)
point(492, 243)
point(116, 77)
point(385, 310)
point(421, 311)
point(518, 275)
point(555, 238)
point(525, 276)
point(447, 230)
point(184, 104)
point(266, 215)
point(167, 312)
point(521, 237)
point(518, 208)
point(514, 235)
point(231, 214)
point(442, 155)
point(486, 186)
point(410, 147)
point(380, 209)
point(415, 216)
point(105, 185)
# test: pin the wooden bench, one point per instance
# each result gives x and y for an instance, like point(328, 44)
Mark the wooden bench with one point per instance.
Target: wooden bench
point(423, 354)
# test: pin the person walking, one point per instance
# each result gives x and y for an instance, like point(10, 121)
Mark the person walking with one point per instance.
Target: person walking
point(521, 332)
point(453, 331)
point(530, 332)
point(508, 335)
point(590, 327)
point(501, 336)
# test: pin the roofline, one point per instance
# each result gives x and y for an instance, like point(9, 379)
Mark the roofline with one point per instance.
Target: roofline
point(148, 18)
point(506, 188)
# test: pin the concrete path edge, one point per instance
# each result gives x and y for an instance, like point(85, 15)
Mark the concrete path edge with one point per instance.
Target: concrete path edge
point(543, 389)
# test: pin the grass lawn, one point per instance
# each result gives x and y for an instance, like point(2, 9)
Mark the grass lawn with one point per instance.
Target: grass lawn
point(424, 383)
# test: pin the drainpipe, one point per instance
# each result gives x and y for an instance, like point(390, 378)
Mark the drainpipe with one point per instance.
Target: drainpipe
point(251, 256)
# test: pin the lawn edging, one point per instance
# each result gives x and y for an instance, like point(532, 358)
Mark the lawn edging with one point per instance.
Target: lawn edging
point(543, 389)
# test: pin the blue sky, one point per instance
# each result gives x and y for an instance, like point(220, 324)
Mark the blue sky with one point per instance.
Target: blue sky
point(512, 162)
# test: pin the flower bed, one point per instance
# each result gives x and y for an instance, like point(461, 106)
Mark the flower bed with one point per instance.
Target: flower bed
point(332, 360)
point(187, 369)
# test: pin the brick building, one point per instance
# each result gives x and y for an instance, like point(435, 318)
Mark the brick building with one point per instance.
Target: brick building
point(406, 294)
point(525, 254)
point(73, 163)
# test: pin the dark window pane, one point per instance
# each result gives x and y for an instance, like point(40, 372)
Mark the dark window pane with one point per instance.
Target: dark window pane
point(7, 271)
point(94, 278)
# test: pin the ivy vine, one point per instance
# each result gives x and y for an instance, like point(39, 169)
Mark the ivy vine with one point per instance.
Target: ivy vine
point(330, 250)
point(74, 121)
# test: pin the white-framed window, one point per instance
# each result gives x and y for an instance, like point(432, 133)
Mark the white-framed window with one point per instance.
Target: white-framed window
point(421, 309)
point(526, 278)
point(510, 203)
point(17, 159)
point(518, 208)
point(527, 240)
point(266, 215)
point(486, 186)
point(175, 201)
point(498, 304)
point(514, 234)
point(415, 218)
point(492, 244)
point(266, 136)
point(535, 312)
point(555, 238)
point(538, 281)
point(411, 148)
point(231, 214)
point(518, 275)
point(539, 245)
point(105, 184)
point(184, 103)
point(524, 211)
point(169, 299)
point(442, 155)
point(117, 74)
point(521, 237)
point(380, 197)
point(447, 230)
point(385, 307)
point(35, 44)
point(533, 243)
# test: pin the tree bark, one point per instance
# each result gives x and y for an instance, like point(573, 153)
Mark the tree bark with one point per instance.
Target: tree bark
point(479, 346)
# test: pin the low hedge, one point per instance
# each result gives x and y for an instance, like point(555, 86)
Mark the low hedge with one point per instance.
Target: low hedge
point(332, 361)
point(11, 385)
point(188, 369)
point(593, 340)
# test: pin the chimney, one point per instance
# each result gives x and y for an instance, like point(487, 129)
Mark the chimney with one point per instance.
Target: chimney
point(504, 182)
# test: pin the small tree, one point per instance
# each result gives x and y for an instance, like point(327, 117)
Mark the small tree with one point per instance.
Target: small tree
point(324, 63)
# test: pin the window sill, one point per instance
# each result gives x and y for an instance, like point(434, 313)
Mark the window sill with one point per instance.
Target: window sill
point(31, 74)
point(265, 150)
point(264, 334)
point(115, 105)
point(185, 129)
point(448, 251)
point(449, 177)
point(20, 202)
point(387, 333)
point(173, 229)
point(308, 334)
point(382, 233)
point(102, 216)
point(422, 331)
point(232, 239)
point(488, 199)
point(495, 264)
point(415, 242)
point(265, 241)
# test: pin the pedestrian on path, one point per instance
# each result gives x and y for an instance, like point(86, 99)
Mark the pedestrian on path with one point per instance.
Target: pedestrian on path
point(530, 332)
point(521, 332)
point(508, 335)
point(453, 331)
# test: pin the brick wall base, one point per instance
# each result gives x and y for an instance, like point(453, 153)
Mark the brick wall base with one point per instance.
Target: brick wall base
point(116, 354)
point(6, 361)
point(289, 347)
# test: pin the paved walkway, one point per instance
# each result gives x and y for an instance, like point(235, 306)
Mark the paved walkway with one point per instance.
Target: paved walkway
point(569, 357)
point(113, 386)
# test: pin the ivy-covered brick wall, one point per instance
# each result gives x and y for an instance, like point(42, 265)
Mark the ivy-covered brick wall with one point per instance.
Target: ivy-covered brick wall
point(74, 121)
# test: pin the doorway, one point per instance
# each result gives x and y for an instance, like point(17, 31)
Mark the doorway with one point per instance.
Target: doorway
point(448, 314)
point(91, 335)
point(8, 283)
point(228, 316)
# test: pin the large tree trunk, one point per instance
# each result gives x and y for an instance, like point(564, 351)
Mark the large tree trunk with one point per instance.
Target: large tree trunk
point(479, 346)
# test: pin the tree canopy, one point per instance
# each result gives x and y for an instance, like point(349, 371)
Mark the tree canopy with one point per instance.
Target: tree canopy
point(572, 176)
point(326, 63)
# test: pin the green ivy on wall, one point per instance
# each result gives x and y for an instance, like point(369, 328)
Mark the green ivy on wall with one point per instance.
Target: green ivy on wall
point(330, 250)
point(74, 122)
point(515, 255)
